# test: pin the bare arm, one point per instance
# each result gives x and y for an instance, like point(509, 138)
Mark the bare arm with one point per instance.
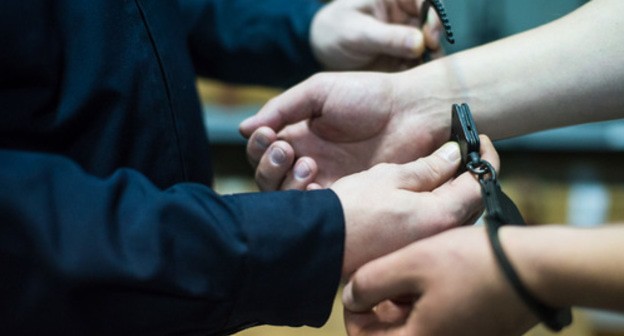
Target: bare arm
point(570, 267)
point(566, 72)
point(450, 284)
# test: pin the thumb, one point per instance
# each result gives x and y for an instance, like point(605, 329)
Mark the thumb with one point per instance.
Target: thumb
point(301, 102)
point(393, 39)
point(428, 173)
point(383, 279)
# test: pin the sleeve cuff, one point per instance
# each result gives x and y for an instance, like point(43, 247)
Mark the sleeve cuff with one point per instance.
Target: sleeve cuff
point(294, 260)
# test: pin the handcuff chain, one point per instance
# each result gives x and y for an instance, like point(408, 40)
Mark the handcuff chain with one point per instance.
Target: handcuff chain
point(482, 169)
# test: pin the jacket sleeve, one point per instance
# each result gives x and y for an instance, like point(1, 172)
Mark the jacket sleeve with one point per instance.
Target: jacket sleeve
point(252, 42)
point(83, 255)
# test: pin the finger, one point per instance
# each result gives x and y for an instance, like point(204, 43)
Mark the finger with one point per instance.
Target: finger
point(303, 101)
point(435, 54)
point(371, 324)
point(432, 30)
point(475, 217)
point(393, 311)
point(461, 202)
point(314, 186)
point(464, 193)
point(258, 143)
point(274, 165)
point(392, 39)
point(385, 319)
point(411, 7)
point(383, 279)
point(488, 152)
point(428, 173)
point(303, 173)
point(392, 64)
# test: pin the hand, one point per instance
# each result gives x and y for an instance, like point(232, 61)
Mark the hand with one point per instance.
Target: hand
point(390, 205)
point(372, 34)
point(342, 123)
point(445, 285)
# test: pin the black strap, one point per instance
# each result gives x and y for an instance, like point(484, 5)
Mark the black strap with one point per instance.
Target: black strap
point(553, 318)
point(501, 210)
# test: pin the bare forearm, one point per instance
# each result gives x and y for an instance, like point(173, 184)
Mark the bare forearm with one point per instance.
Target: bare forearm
point(563, 73)
point(570, 267)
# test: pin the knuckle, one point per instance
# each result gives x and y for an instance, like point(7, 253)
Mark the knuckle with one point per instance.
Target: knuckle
point(353, 37)
point(431, 169)
point(319, 82)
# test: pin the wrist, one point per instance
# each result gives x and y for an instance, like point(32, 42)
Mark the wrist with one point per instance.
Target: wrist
point(422, 107)
point(467, 77)
point(531, 251)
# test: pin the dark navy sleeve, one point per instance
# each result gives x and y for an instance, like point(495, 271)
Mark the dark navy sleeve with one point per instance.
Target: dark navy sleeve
point(86, 255)
point(253, 42)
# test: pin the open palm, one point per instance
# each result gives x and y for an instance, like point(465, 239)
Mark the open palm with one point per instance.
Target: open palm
point(342, 124)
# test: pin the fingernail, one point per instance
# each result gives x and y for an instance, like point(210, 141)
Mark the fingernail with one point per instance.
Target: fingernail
point(414, 43)
point(262, 142)
point(450, 152)
point(278, 156)
point(302, 170)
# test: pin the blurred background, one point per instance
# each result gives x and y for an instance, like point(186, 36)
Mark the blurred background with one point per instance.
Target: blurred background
point(570, 176)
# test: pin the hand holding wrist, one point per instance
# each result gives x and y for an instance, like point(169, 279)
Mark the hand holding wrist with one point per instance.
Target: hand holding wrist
point(390, 206)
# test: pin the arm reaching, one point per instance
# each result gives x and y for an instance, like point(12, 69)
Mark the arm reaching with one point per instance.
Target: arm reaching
point(86, 255)
point(412, 201)
point(119, 255)
point(372, 34)
point(417, 290)
point(568, 266)
point(563, 73)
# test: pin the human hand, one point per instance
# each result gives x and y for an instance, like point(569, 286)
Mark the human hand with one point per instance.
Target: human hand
point(449, 284)
point(390, 205)
point(338, 124)
point(372, 34)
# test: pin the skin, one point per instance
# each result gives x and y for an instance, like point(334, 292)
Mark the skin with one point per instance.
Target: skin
point(563, 73)
point(447, 284)
point(339, 140)
point(379, 203)
point(360, 119)
point(347, 35)
point(372, 34)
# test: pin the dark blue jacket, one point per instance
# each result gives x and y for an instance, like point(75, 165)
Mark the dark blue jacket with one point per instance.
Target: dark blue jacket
point(107, 222)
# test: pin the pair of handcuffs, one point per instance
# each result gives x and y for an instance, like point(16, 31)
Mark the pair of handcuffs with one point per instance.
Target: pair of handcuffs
point(500, 209)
